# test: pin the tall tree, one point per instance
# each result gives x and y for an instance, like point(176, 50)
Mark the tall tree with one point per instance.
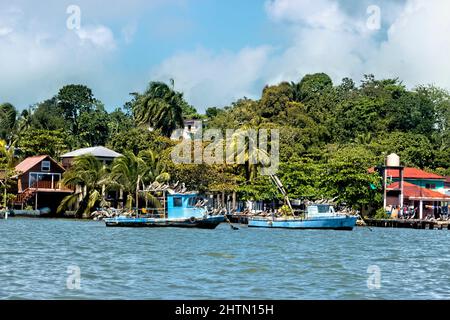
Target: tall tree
point(8, 121)
point(93, 127)
point(73, 101)
point(160, 107)
point(132, 172)
point(120, 122)
point(48, 115)
point(42, 142)
point(346, 177)
point(7, 170)
point(275, 99)
point(313, 85)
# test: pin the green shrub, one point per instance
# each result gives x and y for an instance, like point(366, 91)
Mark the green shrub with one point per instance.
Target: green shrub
point(382, 214)
point(285, 210)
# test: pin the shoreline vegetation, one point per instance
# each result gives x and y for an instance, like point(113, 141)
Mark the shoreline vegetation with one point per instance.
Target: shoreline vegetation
point(330, 134)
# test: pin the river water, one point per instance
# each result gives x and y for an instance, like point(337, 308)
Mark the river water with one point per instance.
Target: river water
point(41, 259)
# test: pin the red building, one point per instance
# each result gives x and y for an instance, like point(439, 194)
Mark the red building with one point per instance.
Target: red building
point(413, 187)
point(424, 199)
point(39, 183)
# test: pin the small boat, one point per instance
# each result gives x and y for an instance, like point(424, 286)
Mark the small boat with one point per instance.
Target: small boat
point(318, 216)
point(183, 211)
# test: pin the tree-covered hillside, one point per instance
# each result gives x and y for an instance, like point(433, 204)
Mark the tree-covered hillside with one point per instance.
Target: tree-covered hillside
point(329, 133)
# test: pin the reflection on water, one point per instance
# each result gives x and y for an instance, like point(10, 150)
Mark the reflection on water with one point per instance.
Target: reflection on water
point(37, 256)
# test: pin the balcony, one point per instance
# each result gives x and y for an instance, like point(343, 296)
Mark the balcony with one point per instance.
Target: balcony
point(45, 185)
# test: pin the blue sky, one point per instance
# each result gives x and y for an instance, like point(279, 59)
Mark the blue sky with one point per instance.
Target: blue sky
point(216, 51)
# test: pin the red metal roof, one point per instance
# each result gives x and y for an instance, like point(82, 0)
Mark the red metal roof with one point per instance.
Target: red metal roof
point(30, 162)
point(411, 173)
point(412, 191)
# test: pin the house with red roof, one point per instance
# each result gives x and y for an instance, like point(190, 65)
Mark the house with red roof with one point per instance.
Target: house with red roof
point(39, 183)
point(417, 177)
point(447, 185)
point(416, 188)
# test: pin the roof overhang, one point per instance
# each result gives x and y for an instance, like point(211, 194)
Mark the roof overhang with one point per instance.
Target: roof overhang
point(430, 198)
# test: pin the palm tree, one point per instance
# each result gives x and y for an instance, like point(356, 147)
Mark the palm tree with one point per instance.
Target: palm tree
point(25, 119)
point(22, 124)
point(248, 150)
point(89, 175)
point(160, 106)
point(156, 170)
point(131, 171)
point(364, 138)
point(255, 158)
point(8, 122)
point(296, 93)
point(7, 168)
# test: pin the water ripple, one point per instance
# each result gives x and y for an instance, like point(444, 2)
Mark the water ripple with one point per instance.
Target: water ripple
point(219, 264)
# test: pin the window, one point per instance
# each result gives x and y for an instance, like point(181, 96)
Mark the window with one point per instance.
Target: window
point(177, 202)
point(323, 208)
point(45, 166)
point(430, 186)
point(193, 201)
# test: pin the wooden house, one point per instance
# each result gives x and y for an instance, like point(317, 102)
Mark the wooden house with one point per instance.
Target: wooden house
point(39, 183)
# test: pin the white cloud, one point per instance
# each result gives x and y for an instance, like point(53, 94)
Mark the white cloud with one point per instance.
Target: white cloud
point(36, 58)
point(418, 44)
point(314, 13)
point(4, 31)
point(327, 39)
point(214, 79)
point(323, 38)
point(39, 54)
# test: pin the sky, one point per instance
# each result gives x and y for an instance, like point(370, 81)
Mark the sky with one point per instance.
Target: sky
point(216, 51)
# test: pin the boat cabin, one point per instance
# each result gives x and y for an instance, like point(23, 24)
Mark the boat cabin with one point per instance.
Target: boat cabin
point(185, 206)
point(320, 210)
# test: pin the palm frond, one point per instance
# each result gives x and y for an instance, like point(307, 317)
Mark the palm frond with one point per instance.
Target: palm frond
point(94, 197)
point(68, 202)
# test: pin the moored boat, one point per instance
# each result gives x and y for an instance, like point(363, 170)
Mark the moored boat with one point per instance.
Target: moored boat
point(317, 216)
point(208, 222)
point(180, 210)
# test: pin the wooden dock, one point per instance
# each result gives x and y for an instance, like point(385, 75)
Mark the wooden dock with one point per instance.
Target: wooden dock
point(238, 218)
point(408, 223)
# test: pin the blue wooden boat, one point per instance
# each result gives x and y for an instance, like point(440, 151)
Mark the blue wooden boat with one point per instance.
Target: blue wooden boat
point(318, 216)
point(180, 210)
